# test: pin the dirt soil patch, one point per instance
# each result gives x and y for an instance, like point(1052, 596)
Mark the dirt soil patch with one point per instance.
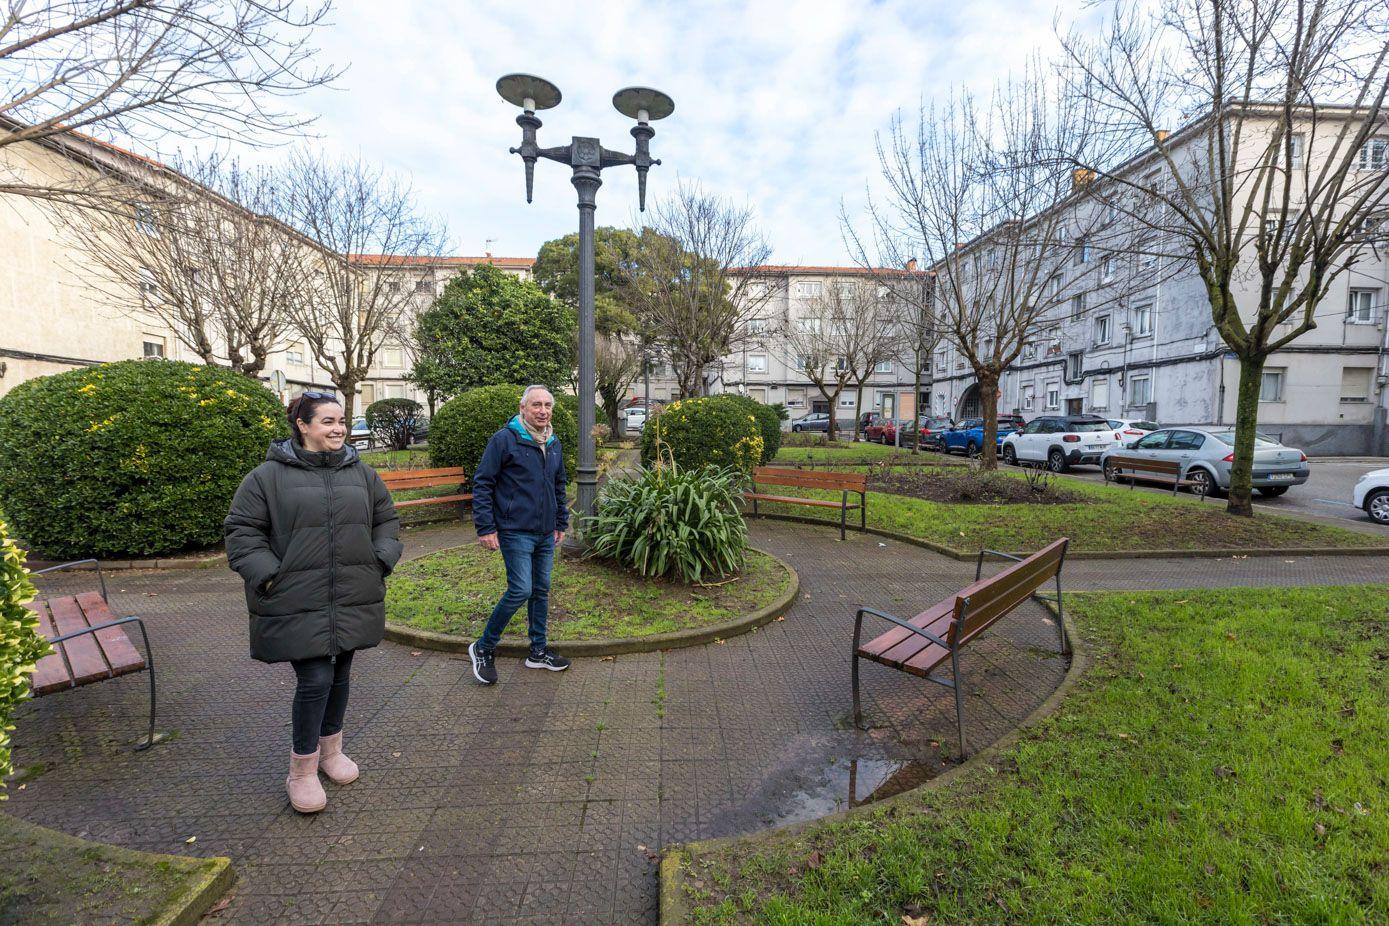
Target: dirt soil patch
point(968, 487)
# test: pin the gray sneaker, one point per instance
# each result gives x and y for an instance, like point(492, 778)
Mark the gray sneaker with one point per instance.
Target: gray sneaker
point(546, 659)
point(484, 664)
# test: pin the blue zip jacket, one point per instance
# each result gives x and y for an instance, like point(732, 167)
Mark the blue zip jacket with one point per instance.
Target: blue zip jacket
point(519, 488)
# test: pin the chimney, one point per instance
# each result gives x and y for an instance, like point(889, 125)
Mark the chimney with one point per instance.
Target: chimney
point(1162, 135)
point(911, 265)
point(1081, 177)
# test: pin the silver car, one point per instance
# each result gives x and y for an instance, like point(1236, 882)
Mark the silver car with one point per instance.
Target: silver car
point(1206, 455)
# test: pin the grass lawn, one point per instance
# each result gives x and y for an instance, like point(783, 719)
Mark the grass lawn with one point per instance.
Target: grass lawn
point(1105, 518)
point(846, 450)
point(396, 459)
point(1223, 761)
point(454, 591)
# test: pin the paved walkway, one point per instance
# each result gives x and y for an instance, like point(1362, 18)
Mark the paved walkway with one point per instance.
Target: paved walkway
point(546, 798)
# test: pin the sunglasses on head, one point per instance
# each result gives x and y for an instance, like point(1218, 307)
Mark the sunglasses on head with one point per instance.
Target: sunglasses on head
point(319, 395)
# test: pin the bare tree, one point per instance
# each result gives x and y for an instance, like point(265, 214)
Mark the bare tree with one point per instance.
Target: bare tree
point(359, 283)
point(617, 364)
point(1266, 194)
point(986, 194)
point(847, 331)
point(695, 281)
point(196, 248)
point(144, 68)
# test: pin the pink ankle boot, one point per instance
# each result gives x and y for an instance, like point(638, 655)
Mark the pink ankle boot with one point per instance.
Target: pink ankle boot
point(339, 768)
point(306, 793)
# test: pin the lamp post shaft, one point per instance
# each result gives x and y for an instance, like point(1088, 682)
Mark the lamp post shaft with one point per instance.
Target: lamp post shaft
point(586, 181)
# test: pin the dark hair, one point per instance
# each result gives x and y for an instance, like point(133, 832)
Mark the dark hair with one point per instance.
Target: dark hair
point(304, 407)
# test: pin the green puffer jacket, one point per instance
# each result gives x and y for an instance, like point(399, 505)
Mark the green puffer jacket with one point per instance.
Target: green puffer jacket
point(321, 530)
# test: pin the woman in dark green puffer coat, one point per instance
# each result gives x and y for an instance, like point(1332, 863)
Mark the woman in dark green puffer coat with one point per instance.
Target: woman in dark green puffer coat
point(314, 533)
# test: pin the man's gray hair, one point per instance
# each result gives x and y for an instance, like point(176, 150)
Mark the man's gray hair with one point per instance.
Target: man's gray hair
point(529, 389)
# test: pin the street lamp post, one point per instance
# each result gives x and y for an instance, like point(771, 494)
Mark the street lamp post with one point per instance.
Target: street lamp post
point(587, 157)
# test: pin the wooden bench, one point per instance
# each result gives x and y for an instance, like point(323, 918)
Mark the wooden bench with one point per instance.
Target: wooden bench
point(843, 483)
point(396, 480)
point(925, 643)
point(89, 643)
point(1117, 466)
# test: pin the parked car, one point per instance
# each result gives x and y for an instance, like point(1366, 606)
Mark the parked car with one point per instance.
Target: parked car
point(360, 434)
point(1206, 455)
point(891, 426)
point(872, 430)
point(1132, 428)
point(1372, 494)
point(635, 418)
point(1060, 441)
point(419, 428)
point(815, 421)
point(968, 436)
point(932, 429)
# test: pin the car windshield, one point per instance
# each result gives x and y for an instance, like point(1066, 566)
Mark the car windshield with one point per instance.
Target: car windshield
point(1228, 437)
point(1081, 427)
point(1145, 425)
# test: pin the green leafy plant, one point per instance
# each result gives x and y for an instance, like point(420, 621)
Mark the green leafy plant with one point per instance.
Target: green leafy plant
point(461, 428)
point(768, 422)
point(705, 432)
point(393, 421)
point(672, 521)
point(20, 644)
point(135, 458)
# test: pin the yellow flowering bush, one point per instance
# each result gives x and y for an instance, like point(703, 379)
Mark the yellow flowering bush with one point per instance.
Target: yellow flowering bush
point(135, 458)
point(20, 643)
point(705, 432)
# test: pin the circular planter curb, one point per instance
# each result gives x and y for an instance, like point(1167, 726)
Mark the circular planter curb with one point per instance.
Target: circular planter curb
point(112, 565)
point(617, 646)
point(673, 907)
point(965, 556)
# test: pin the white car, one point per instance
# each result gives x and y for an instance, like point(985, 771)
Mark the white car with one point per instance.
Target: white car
point(1132, 428)
point(1372, 494)
point(1059, 442)
point(635, 418)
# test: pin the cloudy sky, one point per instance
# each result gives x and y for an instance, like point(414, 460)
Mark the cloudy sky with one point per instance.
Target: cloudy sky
point(777, 103)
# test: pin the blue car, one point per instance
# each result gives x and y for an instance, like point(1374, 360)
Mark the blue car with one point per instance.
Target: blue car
point(967, 437)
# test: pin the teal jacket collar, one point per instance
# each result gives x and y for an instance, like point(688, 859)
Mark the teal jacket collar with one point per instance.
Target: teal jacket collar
point(517, 426)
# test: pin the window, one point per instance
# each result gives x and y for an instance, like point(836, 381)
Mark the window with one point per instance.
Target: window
point(1075, 366)
point(392, 357)
point(1107, 268)
point(147, 220)
point(1029, 350)
point(1297, 144)
point(803, 362)
point(1271, 387)
point(1355, 384)
point(1102, 329)
point(1361, 310)
point(153, 346)
point(1056, 282)
point(757, 363)
point(1155, 441)
point(1053, 394)
point(883, 366)
point(1082, 252)
point(392, 286)
point(1140, 391)
point(1029, 397)
point(795, 398)
point(941, 364)
point(295, 354)
point(1186, 440)
point(757, 290)
point(1143, 318)
point(1099, 393)
point(148, 284)
point(757, 326)
point(841, 364)
point(1373, 154)
point(810, 288)
point(811, 325)
point(1077, 305)
point(424, 286)
point(395, 391)
point(846, 400)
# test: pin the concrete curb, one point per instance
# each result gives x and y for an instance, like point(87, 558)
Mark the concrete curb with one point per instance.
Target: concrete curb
point(113, 565)
point(674, 909)
point(969, 555)
point(616, 646)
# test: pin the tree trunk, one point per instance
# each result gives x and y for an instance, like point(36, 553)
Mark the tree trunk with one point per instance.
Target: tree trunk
point(858, 410)
point(988, 398)
point(348, 388)
point(916, 404)
point(1251, 374)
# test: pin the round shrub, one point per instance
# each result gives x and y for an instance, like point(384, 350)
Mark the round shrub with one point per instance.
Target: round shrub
point(20, 643)
point(135, 458)
point(393, 421)
point(704, 432)
point(768, 422)
point(462, 426)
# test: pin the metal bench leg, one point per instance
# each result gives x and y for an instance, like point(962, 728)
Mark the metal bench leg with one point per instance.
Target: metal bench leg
point(853, 662)
point(959, 701)
point(1061, 619)
point(863, 511)
point(149, 660)
point(843, 514)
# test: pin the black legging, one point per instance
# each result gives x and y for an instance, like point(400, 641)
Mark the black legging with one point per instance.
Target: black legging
point(320, 698)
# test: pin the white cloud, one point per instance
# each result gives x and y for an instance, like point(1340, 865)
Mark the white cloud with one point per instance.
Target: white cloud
point(776, 103)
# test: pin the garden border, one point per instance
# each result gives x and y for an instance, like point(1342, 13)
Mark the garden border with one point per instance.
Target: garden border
point(616, 646)
point(970, 555)
point(673, 909)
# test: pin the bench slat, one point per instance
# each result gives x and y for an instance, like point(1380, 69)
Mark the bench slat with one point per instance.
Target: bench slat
point(84, 655)
point(994, 597)
point(390, 477)
point(1169, 467)
point(897, 647)
point(811, 479)
point(120, 652)
point(425, 482)
point(435, 500)
point(51, 673)
point(797, 500)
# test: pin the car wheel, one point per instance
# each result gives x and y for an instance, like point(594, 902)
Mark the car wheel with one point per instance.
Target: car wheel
point(1010, 456)
point(1377, 506)
point(1056, 462)
point(796, 428)
point(971, 450)
point(1110, 471)
point(1202, 483)
point(1272, 491)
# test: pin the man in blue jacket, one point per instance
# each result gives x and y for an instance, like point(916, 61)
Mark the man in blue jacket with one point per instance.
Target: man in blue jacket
point(519, 508)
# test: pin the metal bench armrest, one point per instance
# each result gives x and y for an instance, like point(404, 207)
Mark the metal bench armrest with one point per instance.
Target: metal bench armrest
point(900, 623)
point(979, 566)
point(79, 562)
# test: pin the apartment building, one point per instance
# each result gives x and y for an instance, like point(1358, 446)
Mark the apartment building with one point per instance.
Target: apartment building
point(764, 365)
point(1141, 344)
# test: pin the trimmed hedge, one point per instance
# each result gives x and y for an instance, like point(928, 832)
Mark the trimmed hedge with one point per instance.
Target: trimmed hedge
point(392, 421)
point(462, 426)
point(135, 458)
point(768, 422)
point(704, 432)
point(20, 643)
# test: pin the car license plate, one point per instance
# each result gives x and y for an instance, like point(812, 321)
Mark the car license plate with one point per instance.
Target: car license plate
point(1280, 477)
point(1094, 446)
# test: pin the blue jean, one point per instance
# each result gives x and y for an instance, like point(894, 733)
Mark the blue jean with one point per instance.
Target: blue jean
point(529, 558)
